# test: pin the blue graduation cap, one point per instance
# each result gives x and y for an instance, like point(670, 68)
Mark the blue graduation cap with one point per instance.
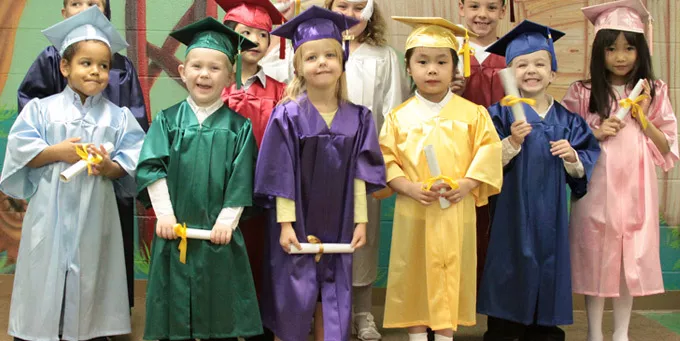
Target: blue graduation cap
point(90, 24)
point(525, 38)
point(315, 23)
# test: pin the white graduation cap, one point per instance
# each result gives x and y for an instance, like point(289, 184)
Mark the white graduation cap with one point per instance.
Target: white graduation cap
point(90, 24)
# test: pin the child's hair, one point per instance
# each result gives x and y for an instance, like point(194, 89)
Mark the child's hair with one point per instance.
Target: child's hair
point(72, 49)
point(103, 2)
point(232, 25)
point(409, 54)
point(298, 85)
point(376, 28)
point(602, 94)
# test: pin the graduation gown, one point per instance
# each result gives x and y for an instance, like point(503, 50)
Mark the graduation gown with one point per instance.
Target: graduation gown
point(71, 243)
point(432, 276)
point(304, 160)
point(619, 217)
point(44, 79)
point(529, 246)
point(255, 104)
point(207, 167)
point(377, 82)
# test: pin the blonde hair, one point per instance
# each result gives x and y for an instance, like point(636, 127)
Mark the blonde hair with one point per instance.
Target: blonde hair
point(297, 85)
point(376, 28)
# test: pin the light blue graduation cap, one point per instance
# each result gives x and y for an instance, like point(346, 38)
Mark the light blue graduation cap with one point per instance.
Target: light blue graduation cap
point(90, 24)
point(525, 38)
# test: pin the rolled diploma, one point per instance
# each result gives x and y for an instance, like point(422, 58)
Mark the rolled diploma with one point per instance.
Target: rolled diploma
point(80, 166)
point(637, 90)
point(433, 164)
point(309, 248)
point(507, 76)
point(198, 234)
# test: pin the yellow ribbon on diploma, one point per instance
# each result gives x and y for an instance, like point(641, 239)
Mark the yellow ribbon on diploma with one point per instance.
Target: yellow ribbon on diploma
point(181, 231)
point(315, 240)
point(635, 108)
point(447, 180)
point(511, 100)
point(81, 150)
point(466, 51)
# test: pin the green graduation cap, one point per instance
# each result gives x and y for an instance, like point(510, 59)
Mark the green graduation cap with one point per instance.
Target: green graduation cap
point(211, 34)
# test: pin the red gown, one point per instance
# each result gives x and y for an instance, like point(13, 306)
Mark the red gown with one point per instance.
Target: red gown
point(255, 104)
point(484, 87)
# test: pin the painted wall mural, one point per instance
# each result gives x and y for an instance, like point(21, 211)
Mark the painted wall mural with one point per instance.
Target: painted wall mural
point(146, 24)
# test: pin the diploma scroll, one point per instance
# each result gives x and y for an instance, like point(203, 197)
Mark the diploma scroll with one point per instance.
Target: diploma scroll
point(198, 234)
point(637, 90)
point(507, 76)
point(309, 248)
point(80, 166)
point(433, 164)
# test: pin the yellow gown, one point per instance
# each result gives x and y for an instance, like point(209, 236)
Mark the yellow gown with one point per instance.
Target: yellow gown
point(432, 270)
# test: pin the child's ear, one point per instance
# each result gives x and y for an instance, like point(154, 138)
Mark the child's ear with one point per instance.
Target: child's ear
point(180, 69)
point(65, 68)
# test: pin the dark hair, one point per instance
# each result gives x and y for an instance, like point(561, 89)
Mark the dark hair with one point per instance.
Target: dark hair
point(409, 54)
point(602, 94)
point(72, 49)
point(232, 25)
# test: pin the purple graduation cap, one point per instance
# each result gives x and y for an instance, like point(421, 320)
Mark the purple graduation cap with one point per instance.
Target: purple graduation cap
point(314, 24)
point(525, 38)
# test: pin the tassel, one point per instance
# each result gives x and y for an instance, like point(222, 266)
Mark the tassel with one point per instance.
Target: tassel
point(650, 35)
point(298, 7)
point(512, 10)
point(239, 70)
point(345, 54)
point(367, 13)
point(282, 48)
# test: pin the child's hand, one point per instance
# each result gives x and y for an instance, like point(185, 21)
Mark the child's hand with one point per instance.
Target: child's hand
point(459, 83)
point(464, 187)
point(221, 234)
point(610, 127)
point(417, 191)
point(66, 150)
point(165, 226)
point(106, 167)
point(359, 238)
point(563, 149)
point(519, 130)
point(288, 237)
point(646, 90)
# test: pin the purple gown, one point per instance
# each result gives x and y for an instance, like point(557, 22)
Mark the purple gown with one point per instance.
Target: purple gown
point(303, 160)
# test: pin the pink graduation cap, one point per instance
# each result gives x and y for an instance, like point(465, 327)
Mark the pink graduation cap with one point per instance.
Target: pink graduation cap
point(622, 15)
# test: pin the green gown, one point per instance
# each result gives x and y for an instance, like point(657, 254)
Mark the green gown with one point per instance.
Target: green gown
point(208, 167)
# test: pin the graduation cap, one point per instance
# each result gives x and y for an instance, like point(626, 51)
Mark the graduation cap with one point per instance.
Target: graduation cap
point(211, 34)
point(316, 23)
point(624, 15)
point(90, 24)
point(260, 14)
point(525, 38)
point(438, 32)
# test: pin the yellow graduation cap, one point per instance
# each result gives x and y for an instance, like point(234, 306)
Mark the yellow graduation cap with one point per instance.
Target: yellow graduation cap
point(438, 32)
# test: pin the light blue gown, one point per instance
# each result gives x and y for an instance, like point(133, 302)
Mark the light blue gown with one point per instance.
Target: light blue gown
point(71, 244)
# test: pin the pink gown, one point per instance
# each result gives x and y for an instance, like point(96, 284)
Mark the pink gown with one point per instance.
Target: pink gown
point(617, 222)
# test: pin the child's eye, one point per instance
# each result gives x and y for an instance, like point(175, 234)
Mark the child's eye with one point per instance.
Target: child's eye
point(263, 35)
point(421, 62)
point(631, 48)
point(105, 66)
point(215, 68)
point(86, 63)
point(330, 55)
point(492, 8)
point(310, 58)
point(609, 49)
point(443, 62)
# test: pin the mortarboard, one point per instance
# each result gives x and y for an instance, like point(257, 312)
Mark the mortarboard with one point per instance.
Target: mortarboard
point(525, 38)
point(259, 14)
point(316, 23)
point(211, 34)
point(90, 24)
point(438, 32)
point(624, 15)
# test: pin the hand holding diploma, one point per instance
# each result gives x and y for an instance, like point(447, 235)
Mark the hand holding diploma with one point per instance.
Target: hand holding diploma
point(90, 158)
point(437, 179)
point(315, 246)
